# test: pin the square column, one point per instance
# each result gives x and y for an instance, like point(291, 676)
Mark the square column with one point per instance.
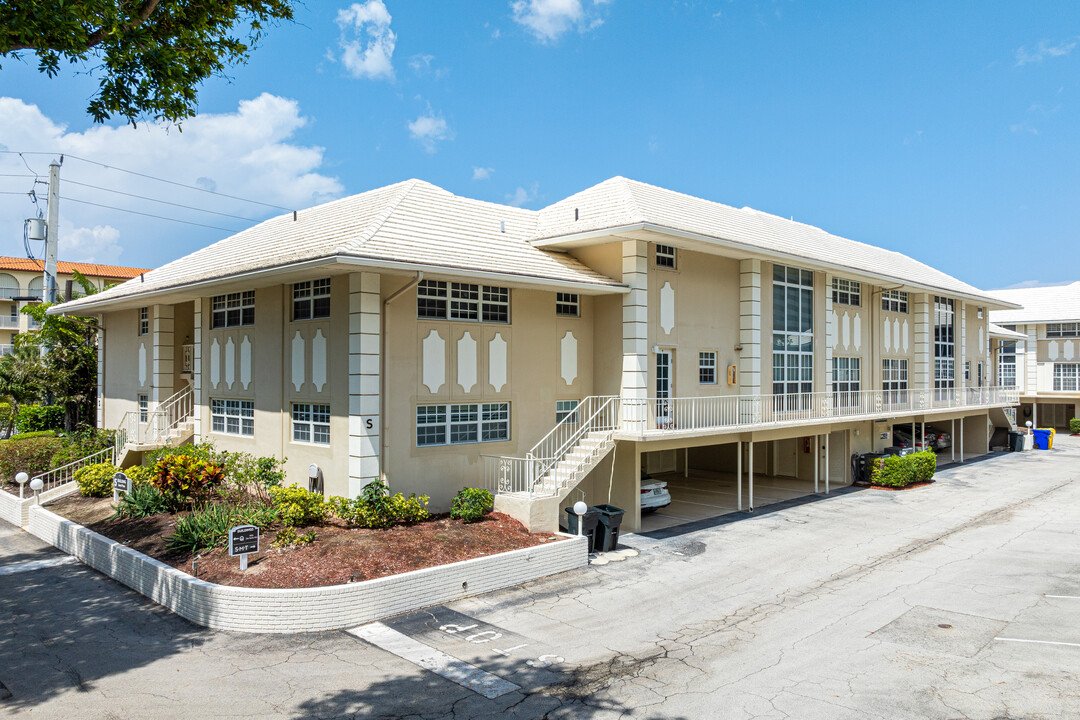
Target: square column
point(365, 347)
point(922, 376)
point(830, 333)
point(161, 328)
point(750, 327)
point(100, 401)
point(1031, 363)
point(634, 385)
point(196, 369)
point(961, 376)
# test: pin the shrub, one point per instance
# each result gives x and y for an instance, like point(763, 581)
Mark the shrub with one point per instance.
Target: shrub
point(140, 475)
point(95, 480)
point(376, 508)
point(471, 504)
point(297, 506)
point(36, 433)
point(288, 537)
point(1074, 426)
point(186, 477)
point(897, 472)
point(81, 443)
point(30, 455)
point(142, 501)
point(925, 464)
point(5, 415)
point(39, 417)
point(209, 526)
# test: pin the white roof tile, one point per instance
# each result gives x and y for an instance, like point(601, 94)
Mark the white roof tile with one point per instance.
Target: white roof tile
point(1000, 332)
point(1059, 303)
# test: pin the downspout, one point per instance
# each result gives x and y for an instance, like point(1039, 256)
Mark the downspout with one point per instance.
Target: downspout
point(382, 371)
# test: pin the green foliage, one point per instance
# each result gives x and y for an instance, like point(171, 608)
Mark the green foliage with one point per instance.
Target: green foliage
point(288, 537)
point(22, 375)
point(95, 480)
point(142, 501)
point(82, 443)
point(252, 474)
point(34, 434)
point(68, 370)
point(201, 451)
point(148, 57)
point(471, 504)
point(897, 472)
point(6, 415)
point(31, 455)
point(140, 475)
point(298, 506)
point(376, 508)
point(32, 418)
point(1074, 426)
point(186, 477)
point(208, 527)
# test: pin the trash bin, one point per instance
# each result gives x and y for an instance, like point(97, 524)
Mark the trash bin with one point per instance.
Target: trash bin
point(1042, 438)
point(589, 522)
point(608, 533)
point(1016, 441)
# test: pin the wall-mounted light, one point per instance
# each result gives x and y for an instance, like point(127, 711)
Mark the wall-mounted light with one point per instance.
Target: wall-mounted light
point(738, 348)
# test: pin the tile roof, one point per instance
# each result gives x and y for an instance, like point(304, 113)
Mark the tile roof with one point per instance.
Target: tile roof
point(63, 267)
point(1060, 303)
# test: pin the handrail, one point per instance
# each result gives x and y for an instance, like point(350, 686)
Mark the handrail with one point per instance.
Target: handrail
point(65, 473)
point(159, 422)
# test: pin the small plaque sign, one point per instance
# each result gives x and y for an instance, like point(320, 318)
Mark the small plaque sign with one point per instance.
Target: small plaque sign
point(121, 482)
point(243, 539)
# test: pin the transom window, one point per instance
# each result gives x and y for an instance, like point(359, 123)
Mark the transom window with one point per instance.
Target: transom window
point(232, 417)
point(847, 380)
point(894, 301)
point(144, 320)
point(233, 310)
point(944, 344)
point(1066, 377)
point(665, 256)
point(1007, 364)
point(566, 409)
point(144, 408)
point(894, 380)
point(439, 300)
point(707, 367)
point(311, 423)
point(846, 292)
point(1062, 330)
point(793, 330)
point(460, 424)
point(567, 304)
point(311, 299)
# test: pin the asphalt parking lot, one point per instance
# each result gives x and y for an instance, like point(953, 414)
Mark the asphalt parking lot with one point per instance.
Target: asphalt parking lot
point(958, 600)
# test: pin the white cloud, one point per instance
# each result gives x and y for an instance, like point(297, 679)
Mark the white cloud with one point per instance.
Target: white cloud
point(367, 42)
point(1024, 127)
point(521, 196)
point(247, 153)
point(549, 19)
point(429, 128)
point(1045, 49)
point(481, 173)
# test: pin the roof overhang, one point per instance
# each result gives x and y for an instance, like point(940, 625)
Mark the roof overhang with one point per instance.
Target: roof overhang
point(996, 331)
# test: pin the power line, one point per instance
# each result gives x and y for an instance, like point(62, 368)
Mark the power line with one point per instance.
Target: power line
point(136, 212)
point(163, 202)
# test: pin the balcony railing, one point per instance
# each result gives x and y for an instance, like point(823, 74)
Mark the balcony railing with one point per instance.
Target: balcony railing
point(642, 416)
point(6, 350)
point(9, 323)
point(8, 293)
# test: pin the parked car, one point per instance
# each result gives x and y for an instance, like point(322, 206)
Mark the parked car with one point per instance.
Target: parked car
point(935, 439)
point(654, 493)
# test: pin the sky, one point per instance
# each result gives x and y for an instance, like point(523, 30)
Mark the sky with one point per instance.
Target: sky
point(947, 131)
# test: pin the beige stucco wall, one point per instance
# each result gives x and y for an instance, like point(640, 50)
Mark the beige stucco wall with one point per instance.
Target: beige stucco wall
point(121, 371)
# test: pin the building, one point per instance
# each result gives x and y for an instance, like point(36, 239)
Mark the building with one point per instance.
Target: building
point(438, 342)
point(1043, 360)
point(21, 283)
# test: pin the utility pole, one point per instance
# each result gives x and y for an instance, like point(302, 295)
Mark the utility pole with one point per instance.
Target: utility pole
point(52, 233)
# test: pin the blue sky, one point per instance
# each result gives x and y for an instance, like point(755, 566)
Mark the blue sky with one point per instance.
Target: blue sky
point(948, 131)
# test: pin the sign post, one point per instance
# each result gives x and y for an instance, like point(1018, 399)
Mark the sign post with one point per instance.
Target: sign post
point(120, 483)
point(243, 539)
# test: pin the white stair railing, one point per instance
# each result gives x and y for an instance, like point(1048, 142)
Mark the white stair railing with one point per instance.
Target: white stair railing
point(66, 473)
point(159, 423)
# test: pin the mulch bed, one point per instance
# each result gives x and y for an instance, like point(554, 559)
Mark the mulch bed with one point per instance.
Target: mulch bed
point(339, 555)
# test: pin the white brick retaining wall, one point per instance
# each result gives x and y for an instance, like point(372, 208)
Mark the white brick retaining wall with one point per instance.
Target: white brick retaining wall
point(17, 511)
point(256, 610)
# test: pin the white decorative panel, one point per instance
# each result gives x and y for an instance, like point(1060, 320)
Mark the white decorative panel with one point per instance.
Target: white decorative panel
point(142, 363)
point(245, 362)
point(1052, 350)
point(230, 363)
point(832, 330)
point(905, 336)
point(434, 351)
point(1068, 351)
point(497, 362)
point(466, 362)
point(886, 337)
point(318, 360)
point(896, 333)
point(667, 308)
point(857, 333)
point(982, 338)
point(298, 361)
point(215, 364)
point(568, 348)
point(845, 330)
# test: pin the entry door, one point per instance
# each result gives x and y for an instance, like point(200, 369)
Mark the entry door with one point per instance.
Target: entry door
point(663, 388)
point(838, 458)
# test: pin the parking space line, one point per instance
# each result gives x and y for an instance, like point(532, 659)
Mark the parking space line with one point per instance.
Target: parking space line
point(427, 657)
point(1038, 642)
point(1064, 597)
point(30, 565)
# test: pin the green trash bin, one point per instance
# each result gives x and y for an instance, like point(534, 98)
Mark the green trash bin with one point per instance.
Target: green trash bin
point(589, 522)
point(1016, 441)
point(608, 531)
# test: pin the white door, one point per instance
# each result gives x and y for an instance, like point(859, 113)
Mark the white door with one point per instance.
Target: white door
point(838, 458)
point(663, 388)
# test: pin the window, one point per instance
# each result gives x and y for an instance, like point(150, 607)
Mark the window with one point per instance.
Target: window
point(144, 408)
point(979, 375)
point(846, 292)
point(1066, 377)
point(461, 424)
point(566, 409)
point(967, 370)
point(233, 310)
point(1063, 330)
point(438, 300)
point(144, 320)
point(311, 423)
point(232, 417)
point(707, 367)
point(567, 304)
point(944, 345)
point(1007, 364)
point(665, 256)
point(980, 313)
point(847, 380)
point(311, 299)
point(894, 380)
point(793, 330)
point(894, 301)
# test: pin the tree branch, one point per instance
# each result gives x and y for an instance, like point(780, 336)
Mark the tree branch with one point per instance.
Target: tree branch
point(98, 36)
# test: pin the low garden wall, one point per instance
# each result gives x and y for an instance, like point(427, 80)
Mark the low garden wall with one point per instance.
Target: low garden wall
point(257, 610)
point(16, 510)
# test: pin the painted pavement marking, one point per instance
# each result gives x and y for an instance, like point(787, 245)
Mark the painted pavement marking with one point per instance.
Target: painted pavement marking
point(1064, 597)
point(1039, 642)
point(31, 565)
point(438, 662)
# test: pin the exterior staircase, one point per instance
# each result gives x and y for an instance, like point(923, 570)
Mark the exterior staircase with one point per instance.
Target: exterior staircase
point(169, 425)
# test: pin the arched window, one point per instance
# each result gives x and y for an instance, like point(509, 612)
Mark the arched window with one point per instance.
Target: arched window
point(36, 287)
point(9, 287)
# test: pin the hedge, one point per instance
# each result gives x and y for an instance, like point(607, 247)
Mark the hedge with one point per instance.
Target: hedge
point(896, 472)
point(32, 455)
point(1074, 426)
point(39, 417)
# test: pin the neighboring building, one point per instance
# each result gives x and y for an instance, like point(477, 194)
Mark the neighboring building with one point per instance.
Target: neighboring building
point(1045, 359)
point(440, 342)
point(22, 280)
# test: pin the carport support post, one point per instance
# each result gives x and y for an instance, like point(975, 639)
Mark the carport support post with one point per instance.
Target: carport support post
point(826, 464)
point(686, 464)
point(952, 435)
point(750, 462)
point(961, 440)
point(738, 473)
point(817, 461)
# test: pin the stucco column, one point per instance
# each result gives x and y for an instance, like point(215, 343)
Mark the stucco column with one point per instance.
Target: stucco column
point(750, 327)
point(830, 333)
point(961, 374)
point(100, 401)
point(922, 375)
point(196, 369)
point(161, 327)
point(635, 370)
point(1031, 362)
point(365, 307)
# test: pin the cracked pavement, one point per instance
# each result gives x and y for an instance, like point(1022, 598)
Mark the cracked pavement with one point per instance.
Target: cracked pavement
point(864, 604)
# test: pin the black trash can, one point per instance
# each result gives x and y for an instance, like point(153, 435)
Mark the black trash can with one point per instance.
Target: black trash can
point(1016, 441)
point(608, 532)
point(589, 522)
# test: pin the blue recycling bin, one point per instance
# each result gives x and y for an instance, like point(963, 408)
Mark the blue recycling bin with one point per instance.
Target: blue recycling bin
point(1042, 438)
